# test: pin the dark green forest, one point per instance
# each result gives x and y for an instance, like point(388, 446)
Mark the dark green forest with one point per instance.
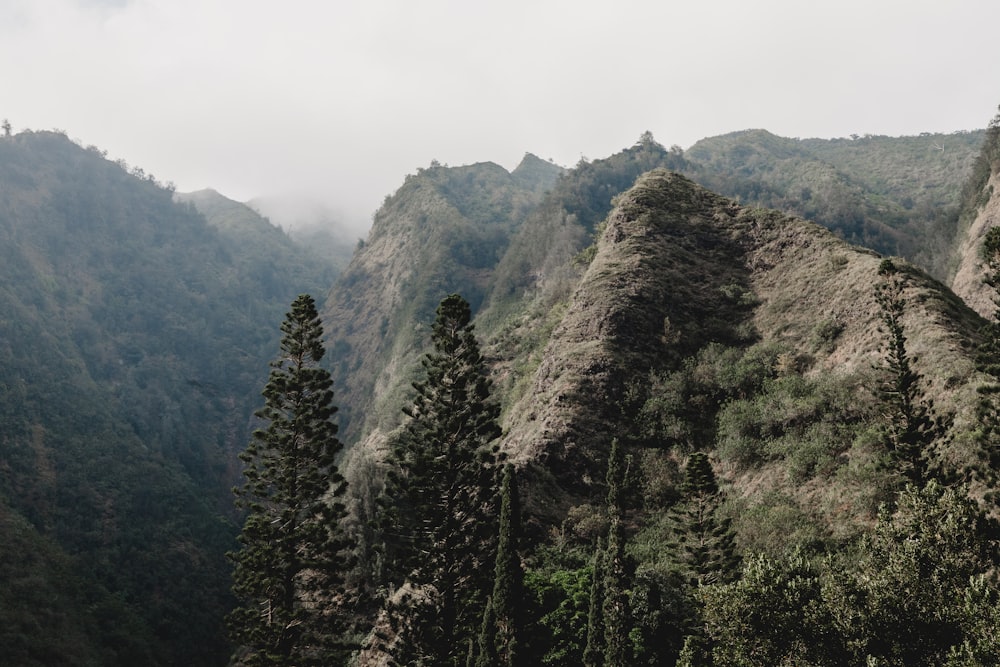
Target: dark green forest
point(636, 411)
point(132, 360)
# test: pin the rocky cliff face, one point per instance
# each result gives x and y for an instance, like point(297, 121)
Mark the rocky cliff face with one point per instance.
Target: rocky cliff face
point(679, 275)
point(968, 281)
point(442, 232)
point(678, 268)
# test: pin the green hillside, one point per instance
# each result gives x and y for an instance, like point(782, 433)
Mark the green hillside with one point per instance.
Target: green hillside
point(135, 337)
point(633, 304)
point(724, 314)
point(896, 195)
point(442, 231)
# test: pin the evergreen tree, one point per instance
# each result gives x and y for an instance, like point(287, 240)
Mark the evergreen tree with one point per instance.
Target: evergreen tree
point(292, 554)
point(487, 655)
point(616, 571)
point(705, 546)
point(917, 577)
point(593, 652)
point(775, 614)
point(912, 427)
point(508, 586)
point(438, 517)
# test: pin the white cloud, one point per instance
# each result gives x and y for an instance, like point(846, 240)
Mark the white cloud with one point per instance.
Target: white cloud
point(344, 98)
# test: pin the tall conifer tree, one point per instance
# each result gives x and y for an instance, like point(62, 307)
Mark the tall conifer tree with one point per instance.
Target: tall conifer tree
point(293, 553)
point(616, 612)
point(593, 652)
point(439, 507)
point(508, 585)
point(705, 546)
point(913, 426)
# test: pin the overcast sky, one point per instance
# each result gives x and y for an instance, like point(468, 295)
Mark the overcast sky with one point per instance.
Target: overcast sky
point(340, 99)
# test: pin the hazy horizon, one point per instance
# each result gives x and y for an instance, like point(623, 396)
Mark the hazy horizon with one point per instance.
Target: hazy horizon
point(336, 102)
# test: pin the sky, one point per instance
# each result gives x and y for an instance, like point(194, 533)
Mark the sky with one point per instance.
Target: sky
point(336, 101)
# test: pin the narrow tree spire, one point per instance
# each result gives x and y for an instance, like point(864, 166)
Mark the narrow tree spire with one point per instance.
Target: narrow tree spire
point(593, 652)
point(616, 612)
point(912, 426)
point(508, 596)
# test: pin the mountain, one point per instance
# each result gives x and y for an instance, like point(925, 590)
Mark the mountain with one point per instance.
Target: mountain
point(258, 243)
point(687, 287)
point(677, 301)
point(134, 342)
point(980, 211)
point(657, 311)
point(631, 303)
point(312, 225)
point(896, 195)
point(441, 232)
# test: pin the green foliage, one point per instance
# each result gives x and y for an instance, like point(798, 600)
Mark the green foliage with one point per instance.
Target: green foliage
point(445, 229)
point(806, 422)
point(912, 425)
point(44, 618)
point(704, 543)
point(680, 406)
point(486, 652)
point(616, 615)
point(906, 602)
point(557, 622)
point(897, 195)
point(508, 585)
point(439, 520)
point(775, 614)
point(916, 593)
point(292, 556)
point(134, 334)
point(594, 649)
point(988, 363)
point(566, 221)
point(975, 191)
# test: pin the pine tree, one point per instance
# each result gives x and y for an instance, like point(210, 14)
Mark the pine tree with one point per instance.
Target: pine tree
point(705, 546)
point(486, 654)
point(593, 652)
point(508, 586)
point(616, 574)
point(912, 427)
point(439, 507)
point(293, 553)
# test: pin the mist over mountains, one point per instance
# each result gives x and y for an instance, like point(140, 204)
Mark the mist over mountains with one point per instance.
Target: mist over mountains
point(715, 299)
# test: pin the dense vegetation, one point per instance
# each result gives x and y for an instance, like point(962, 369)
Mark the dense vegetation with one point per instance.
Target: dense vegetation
point(133, 340)
point(710, 412)
point(737, 443)
point(896, 195)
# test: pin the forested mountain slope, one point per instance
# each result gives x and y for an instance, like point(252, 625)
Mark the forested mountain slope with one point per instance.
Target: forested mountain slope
point(812, 379)
point(592, 342)
point(442, 231)
point(701, 324)
point(312, 225)
point(134, 340)
point(260, 246)
point(622, 298)
point(896, 195)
